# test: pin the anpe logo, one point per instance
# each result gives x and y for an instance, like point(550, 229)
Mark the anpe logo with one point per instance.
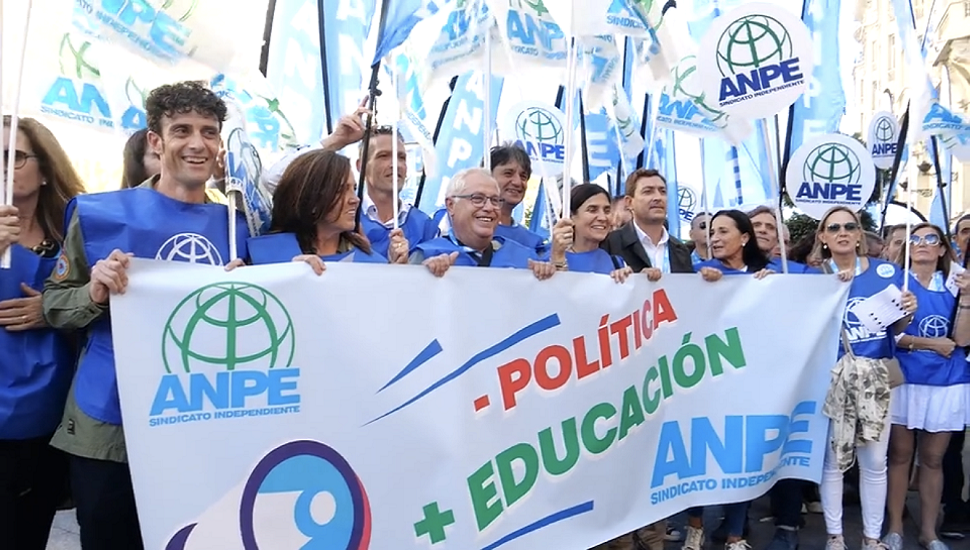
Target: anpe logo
point(883, 131)
point(686, 201)
point(934, 326)
point(540, 130)
point(831, 170)
point(228, 350)
point(757, 60)
point(190, 247)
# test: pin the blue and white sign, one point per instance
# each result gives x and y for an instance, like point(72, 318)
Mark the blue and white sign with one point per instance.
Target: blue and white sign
point(541, 130)
point(883, 137)
point(756, 61)
point(830, 170)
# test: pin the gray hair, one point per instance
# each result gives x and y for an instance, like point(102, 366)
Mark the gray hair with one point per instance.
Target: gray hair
point(459, 181)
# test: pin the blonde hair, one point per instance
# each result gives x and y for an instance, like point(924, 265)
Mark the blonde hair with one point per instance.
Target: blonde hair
point(820, 251)
point(63, 182)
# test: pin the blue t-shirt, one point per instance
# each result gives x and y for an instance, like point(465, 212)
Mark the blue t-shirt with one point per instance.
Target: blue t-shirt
point(594, 261)
point(877, 277)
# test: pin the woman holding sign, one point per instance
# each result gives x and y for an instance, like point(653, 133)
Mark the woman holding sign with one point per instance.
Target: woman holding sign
point(858, 397)
point(591, 214)
point(36, 363)
point(934, 398)
point(315, 215)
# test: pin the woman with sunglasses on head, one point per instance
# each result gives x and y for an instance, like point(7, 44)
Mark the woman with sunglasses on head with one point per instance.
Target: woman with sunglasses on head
point(858, 398)
point(315, 217)
point(934, 398)
point(36, 362)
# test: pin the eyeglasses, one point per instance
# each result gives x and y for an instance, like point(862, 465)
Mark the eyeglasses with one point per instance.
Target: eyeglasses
point(931, 240)
point(19, 157)
point(478, 200)
point(836, 227)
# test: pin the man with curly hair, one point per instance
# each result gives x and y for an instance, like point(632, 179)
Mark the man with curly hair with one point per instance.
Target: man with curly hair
point(167, 217)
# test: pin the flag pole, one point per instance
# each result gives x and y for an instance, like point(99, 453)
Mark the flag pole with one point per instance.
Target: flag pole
point(5, 261)
point(373, 92)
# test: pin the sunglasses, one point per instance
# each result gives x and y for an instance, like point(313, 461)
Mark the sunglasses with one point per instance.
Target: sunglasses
point(702, 225)
point(836, 227)
point(931, 240)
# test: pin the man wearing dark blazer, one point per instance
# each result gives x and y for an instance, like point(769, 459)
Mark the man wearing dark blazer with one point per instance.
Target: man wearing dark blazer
point(644, 242)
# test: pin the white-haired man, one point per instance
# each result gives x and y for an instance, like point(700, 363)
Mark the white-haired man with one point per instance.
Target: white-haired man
point(474, 203)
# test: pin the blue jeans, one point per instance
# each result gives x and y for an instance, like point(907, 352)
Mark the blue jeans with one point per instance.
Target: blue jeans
point(735, 516)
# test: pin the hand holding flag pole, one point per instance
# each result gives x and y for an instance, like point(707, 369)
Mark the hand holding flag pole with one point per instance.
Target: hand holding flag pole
point(14, 119)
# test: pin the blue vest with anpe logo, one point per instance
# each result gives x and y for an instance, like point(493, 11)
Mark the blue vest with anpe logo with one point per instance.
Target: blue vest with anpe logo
point(418, 228)
point(280, 248)
point(880, 345)
point(36, 366)
point(510, 254)
point(594, 261)
point(149, 225)
point(932, 320)
point(526, 238)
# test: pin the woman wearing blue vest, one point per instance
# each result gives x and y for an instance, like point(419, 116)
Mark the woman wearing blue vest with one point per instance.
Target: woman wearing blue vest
point(36, 363)
point(734, 247)
point(591, 214)
point(315, 215)
point(858, 398)
point(934, 399)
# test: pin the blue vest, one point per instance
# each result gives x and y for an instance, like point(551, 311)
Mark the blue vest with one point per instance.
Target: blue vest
point(280, 248)
point(418, 227)
point(594, 261)
point(36, 366)
point(526, 238)
point(774, 264)
point(932, 320)
point(511, 253)
point(881, 345)
point(149, 225)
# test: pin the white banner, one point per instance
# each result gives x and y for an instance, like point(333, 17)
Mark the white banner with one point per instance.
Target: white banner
point(379, 407)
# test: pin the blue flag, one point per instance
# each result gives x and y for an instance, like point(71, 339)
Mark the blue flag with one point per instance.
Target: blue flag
point(400, 19)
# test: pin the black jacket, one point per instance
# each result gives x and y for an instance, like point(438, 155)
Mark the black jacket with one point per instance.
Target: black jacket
point(625, 243)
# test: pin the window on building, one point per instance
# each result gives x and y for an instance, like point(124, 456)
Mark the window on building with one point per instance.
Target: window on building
point(891, 52)
point(875, 95)
point(966, 8)
point(874, 56)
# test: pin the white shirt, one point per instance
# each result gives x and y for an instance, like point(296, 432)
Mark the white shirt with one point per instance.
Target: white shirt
point(656, 252)
point(370, 209)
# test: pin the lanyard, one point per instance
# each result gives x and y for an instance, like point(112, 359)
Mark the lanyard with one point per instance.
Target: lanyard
point(858, 266)
point(665, 268)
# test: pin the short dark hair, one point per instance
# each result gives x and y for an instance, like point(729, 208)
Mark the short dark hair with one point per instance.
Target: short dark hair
point(631, 181)
point(582, 193)
point(761, 210)
point(380, 130)
point(510, 152)
point(181, 98)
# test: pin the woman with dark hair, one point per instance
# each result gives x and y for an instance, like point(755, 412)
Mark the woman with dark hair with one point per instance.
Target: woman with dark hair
point(315, 214)
point(591, 219)
point(734, 247)
point(140, 162)
point(36, 362)
point(934, 398)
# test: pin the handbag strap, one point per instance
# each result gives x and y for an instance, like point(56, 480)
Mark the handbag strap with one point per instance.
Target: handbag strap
point(844, 335)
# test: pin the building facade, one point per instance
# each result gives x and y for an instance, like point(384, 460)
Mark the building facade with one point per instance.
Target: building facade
point(881, 83)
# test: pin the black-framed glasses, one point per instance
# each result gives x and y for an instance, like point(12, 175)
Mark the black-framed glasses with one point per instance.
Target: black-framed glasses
point(931, 240)
point(836, 227)
point(478, 199)
point(19, 157)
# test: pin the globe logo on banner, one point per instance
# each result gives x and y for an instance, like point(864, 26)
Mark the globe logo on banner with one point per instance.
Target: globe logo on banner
point(934, 326)
point(303, 494)
point(540, 130)
point(830, 170)
point(228, 353)
point(189, 247)
point(883, 132)
point(228, 326)
point(686, 201)
point(757, 60)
